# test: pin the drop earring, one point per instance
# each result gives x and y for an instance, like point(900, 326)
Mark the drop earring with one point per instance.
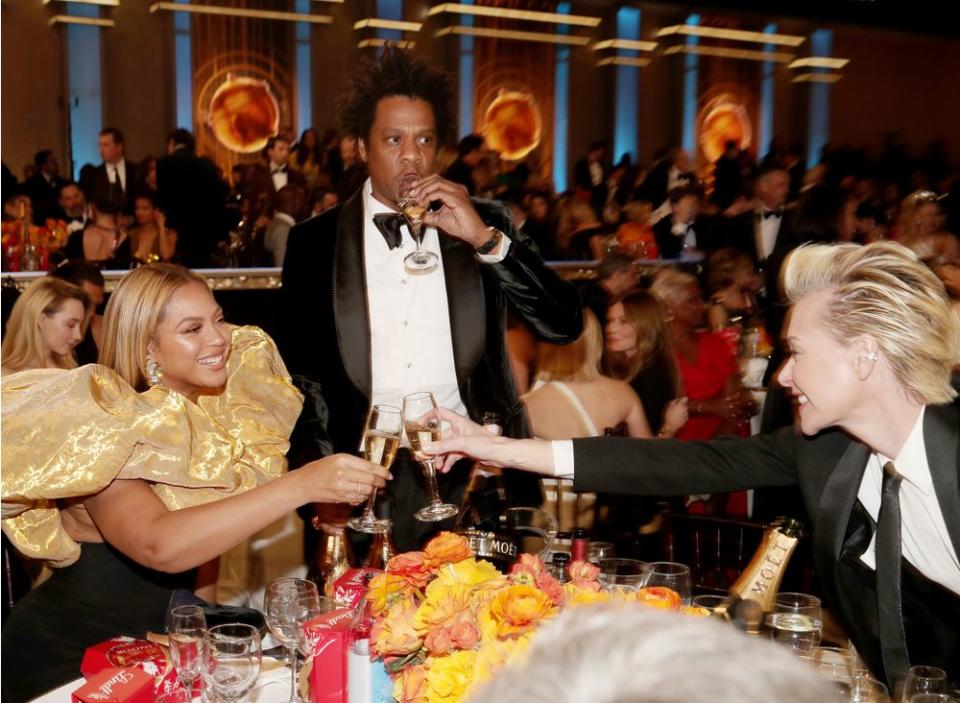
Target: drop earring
point(153, 372)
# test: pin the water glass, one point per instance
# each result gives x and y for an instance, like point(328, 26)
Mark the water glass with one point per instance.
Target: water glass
point(597, 551)
point(797, 621)
point(709, 602)
point(924, 679)
point(864, 689)
point(623, 574)
point(186, 625)
point(231, 660)
point(669, 574)
point(286, 609)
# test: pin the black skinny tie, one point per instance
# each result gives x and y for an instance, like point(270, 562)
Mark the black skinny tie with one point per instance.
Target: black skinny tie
point(893, 639)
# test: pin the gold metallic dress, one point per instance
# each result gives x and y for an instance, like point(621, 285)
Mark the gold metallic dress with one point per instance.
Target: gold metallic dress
point(69, 434)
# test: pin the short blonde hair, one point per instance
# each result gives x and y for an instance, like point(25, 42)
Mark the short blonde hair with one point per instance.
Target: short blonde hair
point(136, 307)
point(883, 290)
point(577, 361)
point(23, 346)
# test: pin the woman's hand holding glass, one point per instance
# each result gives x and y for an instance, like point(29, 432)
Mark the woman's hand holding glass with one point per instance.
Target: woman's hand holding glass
point(381, 439)
point(421, 420)
point(342, 478)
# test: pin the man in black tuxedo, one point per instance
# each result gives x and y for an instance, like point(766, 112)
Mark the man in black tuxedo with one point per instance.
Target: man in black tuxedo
point(269, 177)
point(873, 341)
point(765, 227)
point(192, 195)
point(114, 178)
point(590, 174)
point(359, 329)
point(684, 230)
point(44, 185)
point(72, 206)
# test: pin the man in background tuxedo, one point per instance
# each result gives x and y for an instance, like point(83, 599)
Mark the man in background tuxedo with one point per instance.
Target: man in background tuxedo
point(590, 174)
point(193, 196)
point(114, 178)
point(359, 329)
point(269, 177)
point(72, 206)
point(683, 230)
point(760, 230)
point(43, 186)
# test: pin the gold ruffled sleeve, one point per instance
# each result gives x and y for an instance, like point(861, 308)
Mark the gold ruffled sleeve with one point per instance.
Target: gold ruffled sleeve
point(68, 434)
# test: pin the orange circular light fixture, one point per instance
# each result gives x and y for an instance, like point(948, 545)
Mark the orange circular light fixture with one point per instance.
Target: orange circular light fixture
point(723, 122)
point(244, 114)
point(512, 125)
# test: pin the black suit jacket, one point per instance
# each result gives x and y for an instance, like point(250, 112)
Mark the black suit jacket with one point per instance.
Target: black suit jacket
point(740, 232)
point(828, 469)
point(96, 185)
point(43, 196)
point(671, 246)
point(326, 332)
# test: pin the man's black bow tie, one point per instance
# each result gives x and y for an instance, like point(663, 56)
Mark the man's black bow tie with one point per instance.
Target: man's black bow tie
point(773, 213)
point(389, 225)
point(278, 169)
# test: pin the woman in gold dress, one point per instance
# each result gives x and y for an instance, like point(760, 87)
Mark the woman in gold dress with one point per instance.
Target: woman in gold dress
point(130, 474)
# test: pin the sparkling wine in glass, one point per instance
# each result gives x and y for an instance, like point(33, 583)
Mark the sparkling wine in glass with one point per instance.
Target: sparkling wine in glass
point(285, 610)
point(422, 426)
point(797, 621)
point(231, 660)
point(381, 439)
point(924, 679)
point(186, 625)
point(421, 260)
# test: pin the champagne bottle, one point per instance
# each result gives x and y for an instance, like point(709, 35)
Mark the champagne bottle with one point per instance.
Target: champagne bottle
point(754, 594)
point(382, 549)
point(332, 558)
point(29, 261)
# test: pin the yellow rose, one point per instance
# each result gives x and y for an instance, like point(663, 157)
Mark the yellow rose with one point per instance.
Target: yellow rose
point(696, 611)
point(581, 596)
point(450, 677)
point(395, 634)
point(385, 590)
point(469, 572)
point(409, 687)
point(446, 548)
point(442, 606)
point(518, 609)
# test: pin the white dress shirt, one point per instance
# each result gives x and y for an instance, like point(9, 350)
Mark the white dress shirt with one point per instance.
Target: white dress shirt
point(118, 170)
point(925, 542)
point(765, 233)
point(685, 230)
point(410, 340)
point(279, 176)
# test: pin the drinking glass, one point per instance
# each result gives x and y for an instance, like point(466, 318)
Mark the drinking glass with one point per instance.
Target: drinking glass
point(231, 660)
point(932, 698)
point(422, 425)
point(600, 550)
point(186, 625)
point(421, 260)
point(285, 610)
point(837, 664)
point(177, 695)
point(623, 574)
point(864, 689)
point(709, 601)
point(924, 679)
point(672, 575)
point(381, 439)
point(797, 621)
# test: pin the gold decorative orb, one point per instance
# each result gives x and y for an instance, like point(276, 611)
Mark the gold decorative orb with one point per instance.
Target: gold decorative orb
point(512, 125)
point(244, 114)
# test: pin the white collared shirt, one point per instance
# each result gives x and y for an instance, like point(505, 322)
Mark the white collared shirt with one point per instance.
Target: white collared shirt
point(279, 177)
point(596, 173)
point(118, 170)
point(924, 541)
point(411, 347)
point(765, 233)
point(685, 230)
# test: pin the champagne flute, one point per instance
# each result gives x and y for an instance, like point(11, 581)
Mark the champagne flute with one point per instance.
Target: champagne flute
point(421, 260)
point(797, 621)
point(231, 660)
point(381, 439)
point(924, 679)
point(422, 425)
point(186, 625)
point(285, 612)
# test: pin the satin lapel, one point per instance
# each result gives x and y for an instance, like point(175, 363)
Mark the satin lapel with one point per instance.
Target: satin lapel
point(465, 302)
point(836, 502)
point(940, 432)
point(350, 308)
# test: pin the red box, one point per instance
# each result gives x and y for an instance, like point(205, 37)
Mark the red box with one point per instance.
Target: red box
point(146, 656)
point(127, 685)
point(351, 586)
point(328, 671)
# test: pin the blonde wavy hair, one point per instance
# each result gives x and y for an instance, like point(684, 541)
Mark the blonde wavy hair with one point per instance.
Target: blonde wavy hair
point(136, 307)
point(884, 291)
point(577, 361)
point(23, 345)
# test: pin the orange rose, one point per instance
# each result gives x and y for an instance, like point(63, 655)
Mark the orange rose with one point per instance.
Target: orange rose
point(553, 589)
point(465, 632)
point(385, 590)
point(659, 597)
point(696, 611)
point(518, 609)
point(442, 606)
point(395, 634)
point(408, 686)
point(410, 565)
point(583, 570)
point(584, 585)
point(446, 548)
point(438, 641)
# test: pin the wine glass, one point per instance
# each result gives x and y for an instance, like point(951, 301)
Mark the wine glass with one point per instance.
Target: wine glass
point(924, 679)
point(623, 574)
point(669, 574)
point(285, 610)
point(381, 439)
point(231, 660)
point(421, 260)
point(797, 621)
point(422, 425)
point(186, 625)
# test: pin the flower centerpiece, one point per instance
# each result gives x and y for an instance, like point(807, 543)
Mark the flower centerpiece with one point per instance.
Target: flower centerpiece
point(16, 234)
point(445, 621)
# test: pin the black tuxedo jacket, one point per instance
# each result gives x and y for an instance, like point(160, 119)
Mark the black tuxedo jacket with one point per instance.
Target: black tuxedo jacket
point(193, 196)
point(740, 232)
point(96, 185)
point(43, 196)
point(828, 469)
point(325, 337)
point(671, 246)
